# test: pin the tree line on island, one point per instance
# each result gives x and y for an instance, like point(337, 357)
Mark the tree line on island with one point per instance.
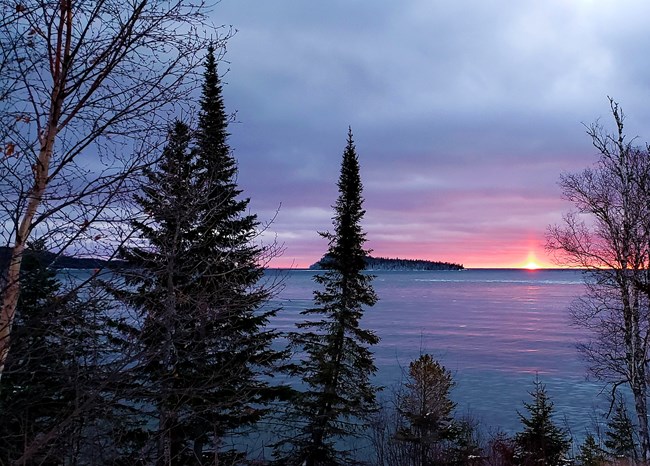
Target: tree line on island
point(170, 360)
point(384, 263)
point(62, 261)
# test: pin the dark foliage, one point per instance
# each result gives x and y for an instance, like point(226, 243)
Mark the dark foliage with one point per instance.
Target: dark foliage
point(196, 281)
point(383, 263)
point(417, 426)
point(541, 441)
point(59, 261)
point(591, 454)
point(500, 450)
point(426, 409)
point(53, 368)
point(337, 363)
point(620, 433)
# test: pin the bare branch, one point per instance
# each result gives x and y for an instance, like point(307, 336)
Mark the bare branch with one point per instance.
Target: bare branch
point(83, 83)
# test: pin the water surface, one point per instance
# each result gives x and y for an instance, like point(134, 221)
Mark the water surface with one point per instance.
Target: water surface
point(495, 329)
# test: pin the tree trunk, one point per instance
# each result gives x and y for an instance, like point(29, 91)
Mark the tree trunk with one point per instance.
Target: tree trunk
point(12, 291)
point(639, 387)
point(40, 171)
point(641, 408)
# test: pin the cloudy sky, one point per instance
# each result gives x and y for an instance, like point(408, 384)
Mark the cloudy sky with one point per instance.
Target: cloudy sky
point(464, 114)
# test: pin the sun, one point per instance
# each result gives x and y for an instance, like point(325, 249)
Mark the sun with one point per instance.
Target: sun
point(531, 266)
point(531, 262)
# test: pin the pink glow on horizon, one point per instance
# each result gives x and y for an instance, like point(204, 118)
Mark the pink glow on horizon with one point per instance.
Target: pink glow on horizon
point(485, 254)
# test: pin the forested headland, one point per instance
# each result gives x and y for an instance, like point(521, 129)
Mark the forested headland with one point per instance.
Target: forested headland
point(384, 263)
point(63, 261)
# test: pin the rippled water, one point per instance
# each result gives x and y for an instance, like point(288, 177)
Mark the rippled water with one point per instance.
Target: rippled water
point(495, 329)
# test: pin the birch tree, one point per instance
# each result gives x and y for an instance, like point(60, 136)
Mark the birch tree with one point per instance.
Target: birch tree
point(608, 234)
point(87, 88)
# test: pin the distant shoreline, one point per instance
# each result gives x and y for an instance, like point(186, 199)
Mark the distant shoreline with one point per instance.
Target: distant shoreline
point(523, 269)
point(396, 264)
point(61, 261)
point(378, 264)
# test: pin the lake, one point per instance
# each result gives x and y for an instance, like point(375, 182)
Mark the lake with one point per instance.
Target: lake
point(494, 329)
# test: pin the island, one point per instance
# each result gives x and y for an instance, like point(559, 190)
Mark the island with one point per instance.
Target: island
point(383, 263)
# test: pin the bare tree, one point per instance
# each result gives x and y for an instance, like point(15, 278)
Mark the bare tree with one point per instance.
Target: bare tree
point(85, 86)
point(608, 234)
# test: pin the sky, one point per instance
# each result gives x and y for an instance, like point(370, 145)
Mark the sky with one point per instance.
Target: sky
point(464, 115)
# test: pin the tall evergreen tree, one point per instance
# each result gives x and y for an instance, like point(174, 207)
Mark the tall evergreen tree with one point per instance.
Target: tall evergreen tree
point(232, 269)
point(159, 281)
point(541, 441)
point(197, 281)
point(337, 363)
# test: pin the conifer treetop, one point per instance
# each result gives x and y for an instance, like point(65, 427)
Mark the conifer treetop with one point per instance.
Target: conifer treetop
point(346, 245)
point(212, 132)
point(541, 440)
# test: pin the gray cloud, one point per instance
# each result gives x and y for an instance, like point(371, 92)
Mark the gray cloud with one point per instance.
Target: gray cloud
point(464, 113)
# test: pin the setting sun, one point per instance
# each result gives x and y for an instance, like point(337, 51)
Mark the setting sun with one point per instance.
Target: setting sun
point(531, 262)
